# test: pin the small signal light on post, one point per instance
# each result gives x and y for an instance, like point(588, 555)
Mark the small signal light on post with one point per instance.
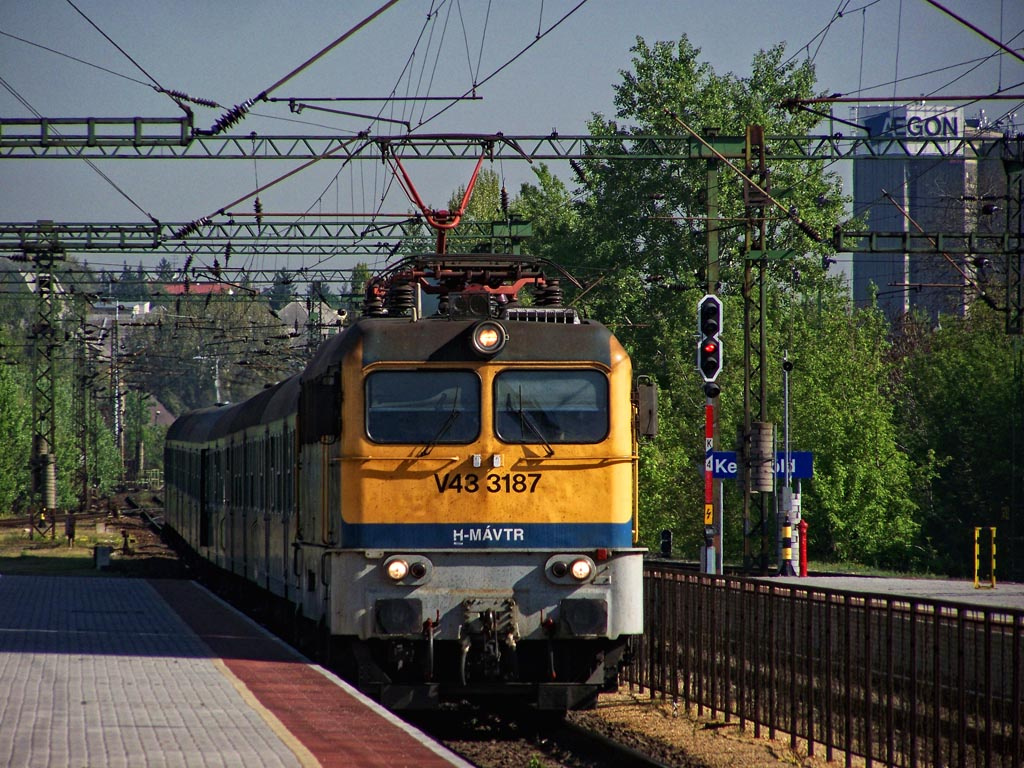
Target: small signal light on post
point(710, 316)
point(666, 543)
point(709, 345)
point(710, 358)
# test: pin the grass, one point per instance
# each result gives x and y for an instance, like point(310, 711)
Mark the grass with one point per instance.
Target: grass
point(859, 569)
point(20, 555)
point(148, 556)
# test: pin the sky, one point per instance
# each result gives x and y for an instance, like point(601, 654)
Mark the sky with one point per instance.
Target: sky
point(105, 55)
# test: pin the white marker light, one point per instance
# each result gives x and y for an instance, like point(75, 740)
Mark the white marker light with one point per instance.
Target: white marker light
point(580, 569)
point(397, 569)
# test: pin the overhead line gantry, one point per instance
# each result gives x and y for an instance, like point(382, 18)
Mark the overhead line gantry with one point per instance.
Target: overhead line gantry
point(168, 138)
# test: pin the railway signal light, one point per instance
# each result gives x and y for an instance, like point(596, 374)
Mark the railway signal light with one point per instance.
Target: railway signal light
point(709, 345)
point(666, 543)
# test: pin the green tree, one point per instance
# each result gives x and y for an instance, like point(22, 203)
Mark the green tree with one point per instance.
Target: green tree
point(15, 434)
point(165, 272)
point(130, 285)
point(104, 458)
point(635, 233)
point(483, 207)
point(650, 212)
point(958, 397)
point(641, 240)
point(549, 207)
point(859, 504)
point(352, 302)
point(319, 290)
point(17, 427)
point(66, 449)
point(485, 202)
point(144, 440)
point(17, 299)
point(283, 290)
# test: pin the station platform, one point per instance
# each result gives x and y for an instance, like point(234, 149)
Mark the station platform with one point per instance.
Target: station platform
point(1005, 596)
point(106, 671)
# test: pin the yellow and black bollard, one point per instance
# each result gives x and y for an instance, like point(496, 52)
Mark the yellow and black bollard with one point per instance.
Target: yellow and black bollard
point(977, 557)
point(787, 549)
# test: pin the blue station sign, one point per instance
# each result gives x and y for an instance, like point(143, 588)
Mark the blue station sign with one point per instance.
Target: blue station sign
point(801, 465)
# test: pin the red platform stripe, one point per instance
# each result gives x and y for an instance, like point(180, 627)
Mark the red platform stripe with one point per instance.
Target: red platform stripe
point(328, 718)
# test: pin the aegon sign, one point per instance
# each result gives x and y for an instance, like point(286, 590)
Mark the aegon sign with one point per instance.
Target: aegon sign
point(941, 124)
point(933, 126)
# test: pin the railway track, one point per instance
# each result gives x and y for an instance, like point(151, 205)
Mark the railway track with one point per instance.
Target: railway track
point(515, 739)
point(152, 514)
point(612, 752)
point(24, 521)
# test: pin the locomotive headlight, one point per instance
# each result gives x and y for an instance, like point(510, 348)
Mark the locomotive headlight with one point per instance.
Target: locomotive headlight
point(488, 338)
point(570, 569)
point(408, 569)
point(581, 569)
point(397, 569)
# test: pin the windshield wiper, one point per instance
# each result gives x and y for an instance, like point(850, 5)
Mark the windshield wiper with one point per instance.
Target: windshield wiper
point(525, 418)
point(443, 430)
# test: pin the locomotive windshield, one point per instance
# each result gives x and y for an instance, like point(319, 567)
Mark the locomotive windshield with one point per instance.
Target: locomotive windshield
point(431, 407)
point(565, 406)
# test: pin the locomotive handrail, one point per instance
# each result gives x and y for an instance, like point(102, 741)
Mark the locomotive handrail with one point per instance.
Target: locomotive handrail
point(530, 460)
point(577, 459)
point(445, 459)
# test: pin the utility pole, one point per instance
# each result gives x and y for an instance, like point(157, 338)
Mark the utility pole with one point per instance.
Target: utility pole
point(756, 449)
point(82, 379)
point(711, 404)
point(709, 365)
point(786, 560)
point(216, 374)
point(1014, 168)
point(43, 253)
point(117, 396)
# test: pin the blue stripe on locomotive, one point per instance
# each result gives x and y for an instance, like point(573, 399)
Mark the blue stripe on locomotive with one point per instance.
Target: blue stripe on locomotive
point(477, 536)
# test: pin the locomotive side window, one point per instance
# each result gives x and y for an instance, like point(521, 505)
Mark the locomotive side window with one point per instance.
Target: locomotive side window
point(566, 406)
point(430, 407)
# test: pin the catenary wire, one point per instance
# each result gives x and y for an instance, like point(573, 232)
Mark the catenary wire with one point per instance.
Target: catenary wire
point(123, 52)
point(494, 73)
point(24, 102)
point(75, 59)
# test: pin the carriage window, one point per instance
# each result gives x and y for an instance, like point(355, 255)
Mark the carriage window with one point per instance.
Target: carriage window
point(429, 407)
point(551, 406)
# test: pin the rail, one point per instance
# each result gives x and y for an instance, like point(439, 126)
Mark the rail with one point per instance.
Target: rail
point(898, 680)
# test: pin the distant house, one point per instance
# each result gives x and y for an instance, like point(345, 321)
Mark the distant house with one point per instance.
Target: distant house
point(158, 413)
point(197, 289)
point(326, 321)
point(117, 308)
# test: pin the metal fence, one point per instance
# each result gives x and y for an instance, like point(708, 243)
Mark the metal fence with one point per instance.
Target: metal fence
point(894, 680)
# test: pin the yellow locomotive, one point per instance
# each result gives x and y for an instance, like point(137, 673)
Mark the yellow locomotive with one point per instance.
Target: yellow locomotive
point(450, 499)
